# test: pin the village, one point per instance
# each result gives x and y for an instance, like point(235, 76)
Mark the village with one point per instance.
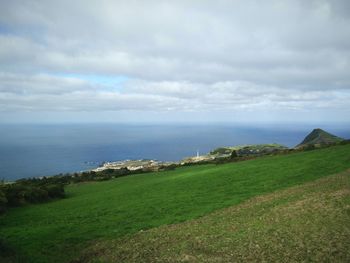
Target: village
point(146, 165)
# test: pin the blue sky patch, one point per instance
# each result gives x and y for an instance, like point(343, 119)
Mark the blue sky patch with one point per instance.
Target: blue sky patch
point(106, 80)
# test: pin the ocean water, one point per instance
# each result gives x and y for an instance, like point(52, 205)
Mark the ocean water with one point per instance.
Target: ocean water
point(30, 150)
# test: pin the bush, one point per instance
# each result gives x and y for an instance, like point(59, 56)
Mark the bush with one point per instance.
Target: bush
point(234, 155)
point(344, 142)
point(21, 193)
point(55, 190)
point(35, 195)
point(15, 194)
point(3, 201)
point(309, 147)
point(169, 167)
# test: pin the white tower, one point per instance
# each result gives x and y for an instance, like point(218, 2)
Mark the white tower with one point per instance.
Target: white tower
point(197, 153)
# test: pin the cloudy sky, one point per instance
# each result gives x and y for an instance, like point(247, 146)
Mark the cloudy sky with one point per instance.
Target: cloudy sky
point(206, 61)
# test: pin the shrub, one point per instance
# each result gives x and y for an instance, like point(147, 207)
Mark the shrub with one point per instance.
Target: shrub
point(344, 142)
point(169, 167)
point(3, 200)
point(35, 194)
point(15, 194)
point(234, 155)
point(55, 190)
point(309, 147)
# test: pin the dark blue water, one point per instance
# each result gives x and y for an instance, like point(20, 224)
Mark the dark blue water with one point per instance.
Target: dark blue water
point(38, 150)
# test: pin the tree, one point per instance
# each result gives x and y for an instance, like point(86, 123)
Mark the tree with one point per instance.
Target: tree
point(233, 154)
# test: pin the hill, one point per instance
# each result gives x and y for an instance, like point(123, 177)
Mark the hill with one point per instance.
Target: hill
point(225, 154)
point(308, 223)
point(59, 231)
point(319, 137)
point(249, 150)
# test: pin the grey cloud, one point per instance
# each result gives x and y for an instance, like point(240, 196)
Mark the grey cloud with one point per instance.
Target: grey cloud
point(44, 93)
point(81, 101)
point(41, 84)
point(177, 55)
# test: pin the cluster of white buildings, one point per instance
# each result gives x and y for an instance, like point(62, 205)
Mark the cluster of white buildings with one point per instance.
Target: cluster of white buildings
point(132, 165)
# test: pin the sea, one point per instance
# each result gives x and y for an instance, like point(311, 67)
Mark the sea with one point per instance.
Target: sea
point(34, 150)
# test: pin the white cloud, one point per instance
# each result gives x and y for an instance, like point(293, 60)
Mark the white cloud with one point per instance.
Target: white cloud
point(182, 56)
point(47, 93)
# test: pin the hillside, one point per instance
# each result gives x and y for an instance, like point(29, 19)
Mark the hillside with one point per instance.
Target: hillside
point(319, 137)
point(223, 154)
point(247, 150)
point(304, 223)
point(59, 231)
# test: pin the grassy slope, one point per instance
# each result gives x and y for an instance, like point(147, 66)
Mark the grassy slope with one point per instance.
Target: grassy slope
point(308, 223)
point(57, 231)
point(318, 136)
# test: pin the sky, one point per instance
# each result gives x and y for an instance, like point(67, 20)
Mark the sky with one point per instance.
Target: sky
point(175, 61)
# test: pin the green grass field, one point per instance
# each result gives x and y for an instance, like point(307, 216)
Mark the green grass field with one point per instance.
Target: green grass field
point(60, 230)
point(307, 223)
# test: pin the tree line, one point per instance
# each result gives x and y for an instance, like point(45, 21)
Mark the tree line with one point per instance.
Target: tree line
point(24, 192)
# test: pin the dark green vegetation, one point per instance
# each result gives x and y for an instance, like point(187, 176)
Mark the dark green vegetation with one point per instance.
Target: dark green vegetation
point(28, 191)
point(250, 150)
point(308, 223)
point(39, 190)
point(319, 138)
point(58, 231)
